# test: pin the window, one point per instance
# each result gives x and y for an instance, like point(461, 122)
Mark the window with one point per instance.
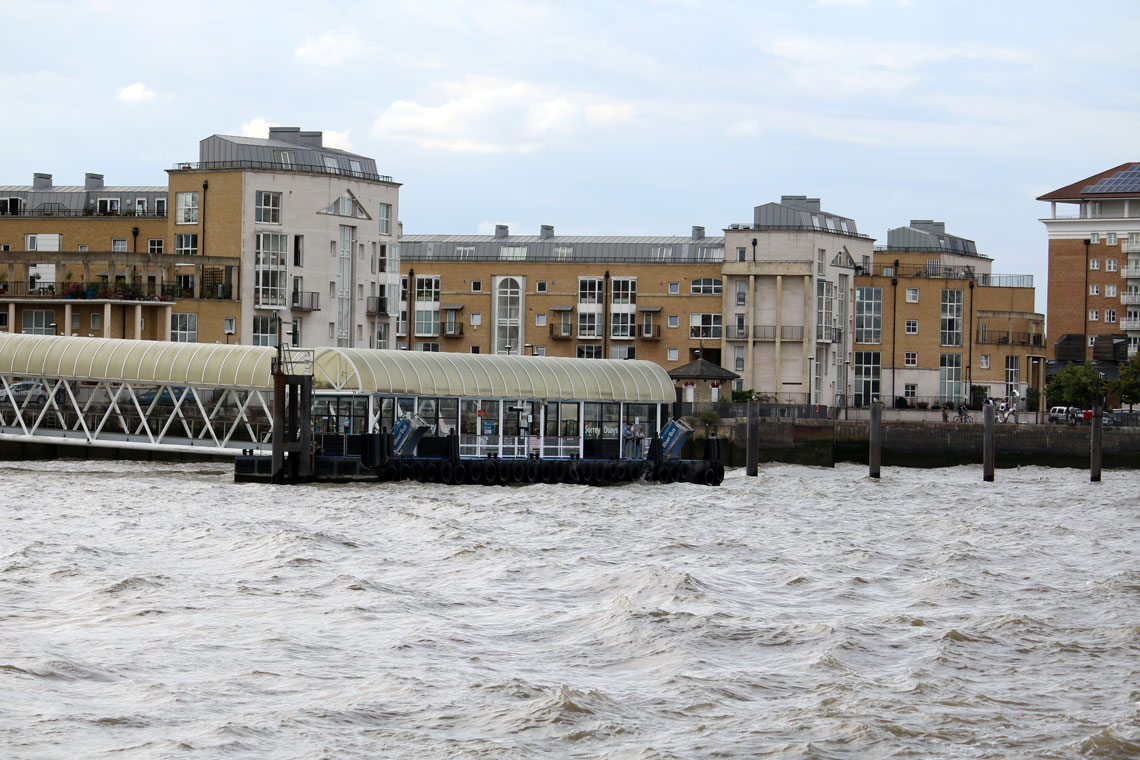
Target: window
point(1092, 341)
point(673, 354)
point(674, 320)
point(912, 295)
point(476, 319)
point(30, 242)
point(952, 313)
point(464, 252)
point(588, 324)
point(623, 290)
point(140, 206)
point(285, 158)
point(741, 254)
point(108, 206)
point(1094, 315)
point(1110, 238)
point(119, 245)
point(622, 324)
point(267, 207)
point(738, 358)
point(910, 358)
point(476, 286)
point(160, 207)
point(820, 254)
point(1012, 374)
point(96, 321)
point(1094, 263)
point(1110, 291)
point(664, 253)
point(427, 305)
point(154, 245)
point(706, 286)
point(1110, 265)
point(867, 373)
point(868, 315)
point(474, 349)
point(512, 252)
point(674, 288)
point(186, 208)
point(183, 328)
point(910, 390)
point(985, 361)
point(741, 293)
point(11, 206)
point(586, 351)
point(704, 325)
point(355, 168)
point(39, 322)
point(331, 164)
point(385, 217)
point(1110, 315)
point(431, 346)
point(1094, 290)
point(3, 320)
point(950, 377)
point(540, 320)
point(563, 252)
point(622, 352)
point(540, 286)
point(229, 325)
point(540, 350)
point(186, 244)
point(1094, 237)
point(269, 277)
point(265, 330)
point(912, 327)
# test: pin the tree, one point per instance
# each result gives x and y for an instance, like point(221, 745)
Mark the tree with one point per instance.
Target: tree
point(1077, 385)
point(1127, 385)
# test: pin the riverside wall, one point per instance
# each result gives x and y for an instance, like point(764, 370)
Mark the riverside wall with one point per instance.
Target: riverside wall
point(926, 444)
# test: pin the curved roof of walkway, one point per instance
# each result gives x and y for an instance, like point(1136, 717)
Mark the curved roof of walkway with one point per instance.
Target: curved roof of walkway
point(346, 369)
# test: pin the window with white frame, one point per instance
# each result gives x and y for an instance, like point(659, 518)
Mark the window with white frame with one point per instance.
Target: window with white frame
point(741, 254)
point(96, 321)
point(509, 306)
point(1110, 265)
point(512, 253)
point(108, 206)
point(623, 307)
point(429, 346)
point(267, 207)
point(476, 286)
point(1110, 316)
point(464, 252)
point(540, 286)
point(540, 350)
point(912, 327)
point(427, 305)
point(952, 316)
point(664, 253)
point(912, 295)
point(385, 217)
point(355, 168)
point(910, 358)
point(868, 315)
point(950, 377)
point(563, 252)
point(674, 320)
point(183, 328)
point(229, 325)
point(155, 245)
point(186, 244)
point(540, 320)
point(264, 330)
point(673, 354)
point(39, 322)
point(1110, 291)
point(738, 358)
point(867, 372)
point(588, 351)
point(674, 288)
point(705, 325)
point(706, 286)
point(269, 272)
point(160, 207)
point(741, 293)
point(3, 320)
point(1094, 238)
point(331, 164)
point(1094, 264)
point(985, 361)
point(1094, 315)
point(1094, 289)
point(31, 242)
point(186, 208)
point(589, 324)
point(140, 206)
point(1012, 375)
point(119, 245)
point(623, 352)
point(589, 307)
point(1110, 238)
point(910, 390)
point(476, 319)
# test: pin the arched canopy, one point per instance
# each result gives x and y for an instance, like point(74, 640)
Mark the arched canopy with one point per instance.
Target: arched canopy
point(345, 369)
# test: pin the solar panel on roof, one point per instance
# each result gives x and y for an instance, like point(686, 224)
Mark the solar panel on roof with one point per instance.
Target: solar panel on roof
point(1126, 180)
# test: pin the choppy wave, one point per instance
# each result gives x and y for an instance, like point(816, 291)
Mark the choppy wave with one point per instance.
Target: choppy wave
point(160, 610)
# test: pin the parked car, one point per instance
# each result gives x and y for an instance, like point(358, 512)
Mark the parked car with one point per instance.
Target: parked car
point(166, 396)
point(31, 391)
point(1058, 415)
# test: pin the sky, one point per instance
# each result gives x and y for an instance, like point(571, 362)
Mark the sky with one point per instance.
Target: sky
point(603, 118)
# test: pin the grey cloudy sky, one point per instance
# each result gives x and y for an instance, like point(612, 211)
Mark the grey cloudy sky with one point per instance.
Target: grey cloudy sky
point(603, 117)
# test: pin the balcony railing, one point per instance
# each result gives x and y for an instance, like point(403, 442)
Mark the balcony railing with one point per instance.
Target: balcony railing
point(1131, 272)
point(623, 331)
point(1127, 247)
point(85, 290)
point(791, 332)
point(561, 331)
point(60, 210)
point(764, 332)
point(451, 329)
point(1130, 325)
point(950, 273)
point(376, 305)
point(304, 300)
point(737, 332)
point(649, 332)
point(1003, 337)
point(704, 331)
point(278, 166)
point(1130, 299)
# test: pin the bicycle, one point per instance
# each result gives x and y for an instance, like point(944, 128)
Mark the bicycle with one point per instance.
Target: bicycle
point(963, 418)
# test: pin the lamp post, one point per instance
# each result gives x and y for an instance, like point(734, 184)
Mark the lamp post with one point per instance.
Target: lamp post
point(528, 348)
point(508, 347)
point(229, 331)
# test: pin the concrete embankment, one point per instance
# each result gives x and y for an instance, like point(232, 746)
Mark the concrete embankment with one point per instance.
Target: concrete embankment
point(926, 444)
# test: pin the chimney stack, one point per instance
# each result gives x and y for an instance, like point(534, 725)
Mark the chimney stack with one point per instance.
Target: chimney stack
point(501, 231)
point(698, 232)
point(92, 181)
point(41, 181)
point(546, 232)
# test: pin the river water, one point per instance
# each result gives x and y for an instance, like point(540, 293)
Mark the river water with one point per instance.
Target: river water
point(160, 610)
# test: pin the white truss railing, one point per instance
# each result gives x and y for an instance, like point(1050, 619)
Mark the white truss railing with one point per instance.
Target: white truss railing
point(115, 414)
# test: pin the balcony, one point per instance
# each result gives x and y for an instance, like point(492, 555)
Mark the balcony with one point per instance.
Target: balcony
point(115, 291)
point(1004, 337)
point(737, 332)
point(1127, 247)
point(304, 300)
point(623, 332)
point(562, 331)
point(1131, 272)
point(764, 332)
point(1130, 299)
point(451, 329)
point(649, 332)
point(1130, 325)
point(704, 332)
point(791, 332)
point(57, 209)
point(376, 306)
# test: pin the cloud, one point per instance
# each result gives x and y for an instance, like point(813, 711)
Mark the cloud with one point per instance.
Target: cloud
point(480, 115)
point(334, 48)
point(136, 93)
point(256, 127)
point(332, 138)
